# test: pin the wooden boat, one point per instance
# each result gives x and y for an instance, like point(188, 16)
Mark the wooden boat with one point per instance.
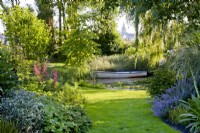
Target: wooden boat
point(111, 75)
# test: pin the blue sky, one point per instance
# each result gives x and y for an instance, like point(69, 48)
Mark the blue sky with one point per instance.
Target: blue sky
point(120, 20)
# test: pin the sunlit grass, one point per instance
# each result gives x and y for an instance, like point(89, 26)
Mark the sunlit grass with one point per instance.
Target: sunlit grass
point(93, 96)
point(122, 111)
point(56, 64)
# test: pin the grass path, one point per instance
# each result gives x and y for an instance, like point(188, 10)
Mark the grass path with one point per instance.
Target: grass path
point(122, 111)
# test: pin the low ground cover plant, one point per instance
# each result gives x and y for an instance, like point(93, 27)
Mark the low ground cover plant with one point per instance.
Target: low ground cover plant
point(26, 109)
point(34, 113)
point(60, 118)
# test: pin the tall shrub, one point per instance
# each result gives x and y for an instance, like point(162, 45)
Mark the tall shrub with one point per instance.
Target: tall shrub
point(162, 79)
point(8, 76)
point(27, 35)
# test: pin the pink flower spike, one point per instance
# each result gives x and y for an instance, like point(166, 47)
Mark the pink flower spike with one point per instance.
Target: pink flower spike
point(36, 70)
point(44, 71)
point(55, 76)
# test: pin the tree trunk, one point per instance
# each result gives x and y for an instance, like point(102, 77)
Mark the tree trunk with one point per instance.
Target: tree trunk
point(136, 29)
point(60, 22)
point(64, 17)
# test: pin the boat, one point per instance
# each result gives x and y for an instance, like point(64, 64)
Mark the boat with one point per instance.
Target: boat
point(115, 75)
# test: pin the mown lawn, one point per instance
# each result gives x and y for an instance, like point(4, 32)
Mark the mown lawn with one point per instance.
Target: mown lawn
point(122, 111)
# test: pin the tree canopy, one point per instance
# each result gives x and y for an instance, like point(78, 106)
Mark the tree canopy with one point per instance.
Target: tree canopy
point(158, 23)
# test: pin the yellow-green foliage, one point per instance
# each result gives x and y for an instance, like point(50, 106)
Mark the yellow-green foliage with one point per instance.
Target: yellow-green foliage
point(27, 35)
point(163, 78)
point(7, 126)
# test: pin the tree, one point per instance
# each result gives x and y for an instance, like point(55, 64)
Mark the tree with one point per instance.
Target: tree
point(135, 9)
point(109, 42)
point(103, 23)
point(178, 10)
point(46, 13)
point(79, 46)
point(27, 35)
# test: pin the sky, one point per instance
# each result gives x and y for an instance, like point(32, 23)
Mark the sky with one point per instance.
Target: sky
point(120, 20)
point(129, 26)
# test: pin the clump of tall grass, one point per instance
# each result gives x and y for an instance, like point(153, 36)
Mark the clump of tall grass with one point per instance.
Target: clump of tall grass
point(118, 63)
point(69, 74)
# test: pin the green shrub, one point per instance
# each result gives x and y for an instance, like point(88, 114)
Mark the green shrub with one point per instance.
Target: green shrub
point(163, 78)
point(191, 117)
point(24, 70)
point(8, 76)
point(130, 51)
point(60, 119)
point(28, 39)
point(25, 109)
point(67, 95)
point(45, 114)
point(8, 126)
point(35, 86)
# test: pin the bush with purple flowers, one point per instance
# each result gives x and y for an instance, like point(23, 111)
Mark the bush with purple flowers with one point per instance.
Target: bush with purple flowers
point(172, 96)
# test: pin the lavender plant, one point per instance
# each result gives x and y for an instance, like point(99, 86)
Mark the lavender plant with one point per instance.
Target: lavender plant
point(172, 96)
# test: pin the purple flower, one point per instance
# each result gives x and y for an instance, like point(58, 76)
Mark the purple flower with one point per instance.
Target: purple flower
point(172, 96)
